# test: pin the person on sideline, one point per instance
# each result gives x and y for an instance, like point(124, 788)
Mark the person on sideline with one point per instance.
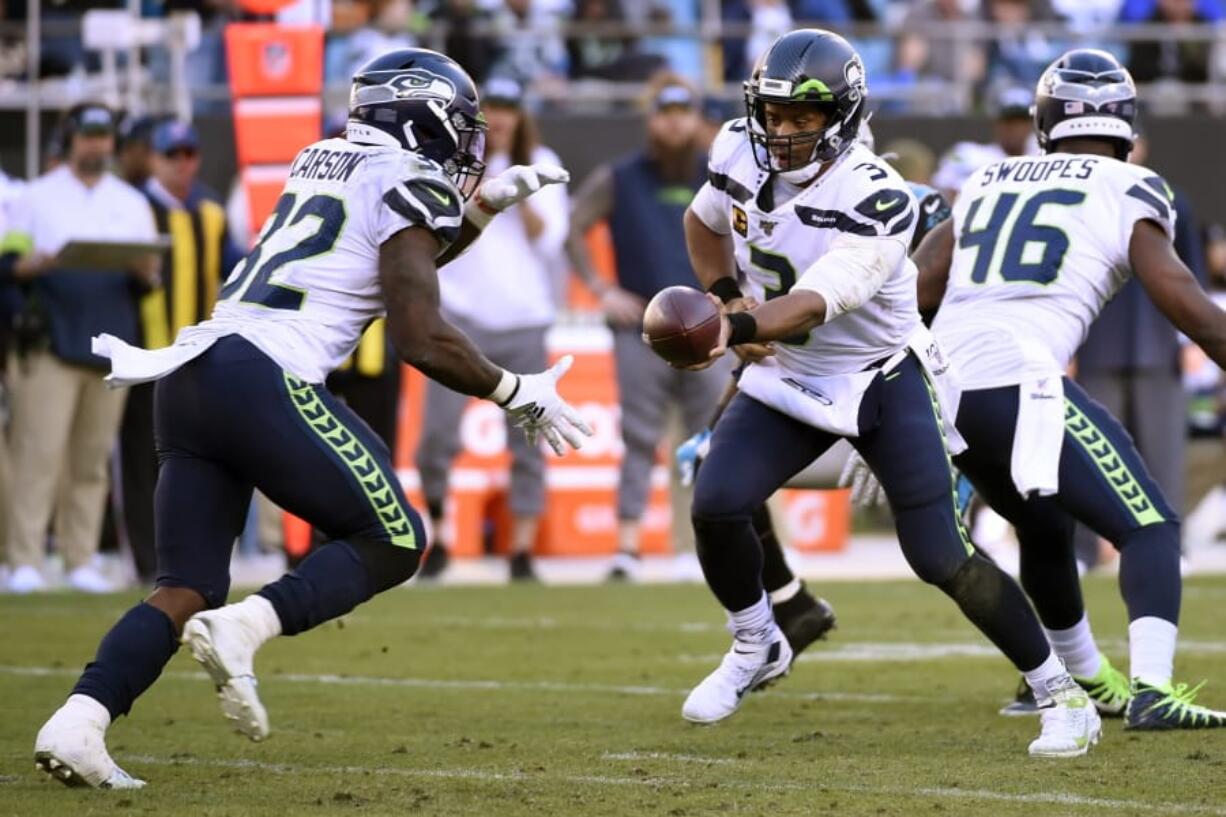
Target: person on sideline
point(501, 293)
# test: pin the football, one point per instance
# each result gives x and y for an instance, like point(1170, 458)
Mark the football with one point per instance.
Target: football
point(681, 325)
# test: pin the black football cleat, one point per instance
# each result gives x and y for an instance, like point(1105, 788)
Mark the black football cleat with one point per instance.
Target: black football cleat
point(804, 618)
point(1023, 702)
point(435, 562)
point(1169, 707)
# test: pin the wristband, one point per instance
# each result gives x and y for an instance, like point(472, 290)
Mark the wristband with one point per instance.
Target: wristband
point(726, 289)
point(743, 328)
point(506, 389)
point(478, 213)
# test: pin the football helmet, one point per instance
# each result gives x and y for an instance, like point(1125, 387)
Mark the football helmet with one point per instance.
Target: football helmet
point(1086, 94)
point(807, 66)
point(424, 102)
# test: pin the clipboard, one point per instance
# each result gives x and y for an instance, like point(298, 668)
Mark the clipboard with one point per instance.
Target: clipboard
point(119, 256)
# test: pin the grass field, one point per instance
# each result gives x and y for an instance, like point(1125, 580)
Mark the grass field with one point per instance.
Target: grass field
point(560, 701)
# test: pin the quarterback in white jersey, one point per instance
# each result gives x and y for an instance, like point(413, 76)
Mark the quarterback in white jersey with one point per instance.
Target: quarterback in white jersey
point(820, 228)
point(1035, 248)
point(359, 231)
point(857, 201)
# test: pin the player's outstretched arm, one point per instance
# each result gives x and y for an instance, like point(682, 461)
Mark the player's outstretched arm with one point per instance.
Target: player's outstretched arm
point(505, 190)
point(426, 341)
point(421, 336)
point(1175, 291)
point(932, 258)
point(711, 256)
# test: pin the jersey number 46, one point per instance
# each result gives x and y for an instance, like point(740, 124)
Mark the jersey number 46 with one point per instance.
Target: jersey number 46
point(1012, 264)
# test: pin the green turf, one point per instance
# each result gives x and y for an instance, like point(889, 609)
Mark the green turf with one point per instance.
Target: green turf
point(581, 715)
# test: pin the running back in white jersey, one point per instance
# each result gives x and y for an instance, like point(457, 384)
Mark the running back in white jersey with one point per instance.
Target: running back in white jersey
point(859, 194)
point(310, 286)
point(1041, 244)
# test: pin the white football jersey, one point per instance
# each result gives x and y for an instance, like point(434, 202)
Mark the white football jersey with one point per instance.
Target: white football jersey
point(774, 245)
point(1041, 245)
point(310, 286)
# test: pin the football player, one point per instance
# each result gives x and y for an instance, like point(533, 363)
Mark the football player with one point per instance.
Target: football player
point(803, 617)
point(358, 232)
point(820, 226)
point(1036, 247)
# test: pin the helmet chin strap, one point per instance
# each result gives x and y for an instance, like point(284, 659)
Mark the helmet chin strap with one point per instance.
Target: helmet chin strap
point(803, 175)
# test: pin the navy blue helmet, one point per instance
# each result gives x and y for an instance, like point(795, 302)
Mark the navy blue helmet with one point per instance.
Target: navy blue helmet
point(424, 102)
point(807, 66)
point(1086, 94)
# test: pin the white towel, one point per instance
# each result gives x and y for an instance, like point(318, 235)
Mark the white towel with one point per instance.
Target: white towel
point(131, 365)
point(944, 381)
point(827, 402)
point(1038, 437)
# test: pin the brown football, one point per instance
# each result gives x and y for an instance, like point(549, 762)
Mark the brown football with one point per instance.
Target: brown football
point(681, 325)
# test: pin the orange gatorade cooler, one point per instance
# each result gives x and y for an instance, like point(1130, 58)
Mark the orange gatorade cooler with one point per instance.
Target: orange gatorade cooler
point(580, 517)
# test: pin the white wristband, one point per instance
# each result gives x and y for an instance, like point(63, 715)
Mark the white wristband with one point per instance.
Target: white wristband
point(505, 389)
point(478, 214)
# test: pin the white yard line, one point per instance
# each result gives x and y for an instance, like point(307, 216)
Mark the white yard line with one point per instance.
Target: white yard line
point(492, 685)
point(655, 782)
point(718, 761)
point(902, 652)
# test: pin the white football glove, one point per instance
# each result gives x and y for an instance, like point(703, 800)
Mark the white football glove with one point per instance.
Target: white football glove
point(517, 183)
point(865, 489)
point(535, 405)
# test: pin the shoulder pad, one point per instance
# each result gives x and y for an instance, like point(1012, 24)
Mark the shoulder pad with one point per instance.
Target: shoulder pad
point(1152, 190)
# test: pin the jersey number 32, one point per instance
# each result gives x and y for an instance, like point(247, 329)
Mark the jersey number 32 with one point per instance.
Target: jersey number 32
point(291, 234)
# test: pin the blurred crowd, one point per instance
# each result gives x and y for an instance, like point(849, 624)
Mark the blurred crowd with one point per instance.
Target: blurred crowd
point(546, 44)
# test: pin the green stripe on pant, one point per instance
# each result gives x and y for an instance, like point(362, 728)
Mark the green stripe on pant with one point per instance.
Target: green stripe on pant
point(357, 458)
point(1112, 466)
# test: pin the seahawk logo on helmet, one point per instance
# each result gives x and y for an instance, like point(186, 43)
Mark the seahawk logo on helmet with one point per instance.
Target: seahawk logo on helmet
point(422, 85)
point(853, 72)
point(1086, 94)
point(419, 100)
point(814, 67)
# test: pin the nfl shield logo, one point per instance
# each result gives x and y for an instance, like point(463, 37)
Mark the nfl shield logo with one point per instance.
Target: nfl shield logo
point(275, 60)
point(1074, 107)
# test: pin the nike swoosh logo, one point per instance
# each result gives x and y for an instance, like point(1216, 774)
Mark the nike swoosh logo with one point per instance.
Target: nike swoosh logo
point(932, 206)
point(442, 198)
point(882, 206)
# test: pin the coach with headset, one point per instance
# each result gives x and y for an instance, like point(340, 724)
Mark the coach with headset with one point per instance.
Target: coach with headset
point(64, 418)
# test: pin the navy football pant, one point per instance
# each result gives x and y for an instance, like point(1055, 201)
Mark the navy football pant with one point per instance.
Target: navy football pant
point(755, 450)
point(232, 420)
point(1103, 483)
point(228, 421)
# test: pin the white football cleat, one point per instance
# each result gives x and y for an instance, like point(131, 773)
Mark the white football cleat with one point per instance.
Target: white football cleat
point(71, 747)
point(224, 641)
point(746, 667)
point(1070, 724)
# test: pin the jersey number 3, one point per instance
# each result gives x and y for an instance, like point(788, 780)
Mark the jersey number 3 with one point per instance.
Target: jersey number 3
point(1013, 266)
point(284, 241)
